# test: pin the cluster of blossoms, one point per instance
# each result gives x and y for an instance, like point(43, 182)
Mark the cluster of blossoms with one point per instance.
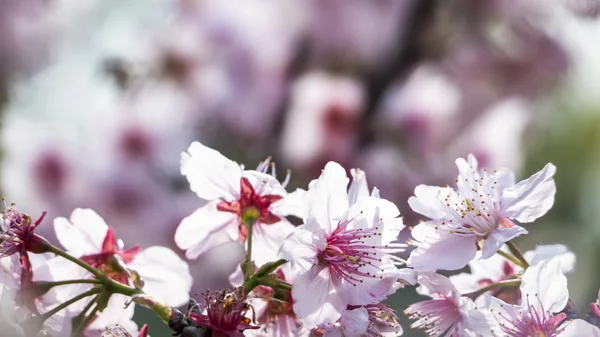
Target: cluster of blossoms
point(328, 276)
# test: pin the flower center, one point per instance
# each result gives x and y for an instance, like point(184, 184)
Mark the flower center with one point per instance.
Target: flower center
point(349, 256)
point(534, 321)
point(250, 214)
point(250, 208)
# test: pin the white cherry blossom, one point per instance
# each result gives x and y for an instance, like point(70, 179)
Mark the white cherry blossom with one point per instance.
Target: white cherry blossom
point(497, 268)
point(86, 236)
point(544, 295)
point(481, 209)
point(232, 195)
point(341, 254)
point(447, 313)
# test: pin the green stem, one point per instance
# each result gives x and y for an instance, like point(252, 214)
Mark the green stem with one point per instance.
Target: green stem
point(284, 285)
point(269, 267)
point(113, 286)
point(517, 253)
point(62, 253)
point(249, 223)
point(81, 296)
point(66, 282)
point(261, 277)
point(88, 307)
point(79, 330)
point(511, 258)
point(501, 284)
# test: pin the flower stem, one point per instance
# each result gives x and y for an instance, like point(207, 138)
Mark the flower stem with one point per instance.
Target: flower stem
point(85, 322)
point(501, 284)
point(119, 288)
point(62, 253)
point(61, 306)
point(262, 277)
point(66, 282)
point(511, 259)
point(517, 253)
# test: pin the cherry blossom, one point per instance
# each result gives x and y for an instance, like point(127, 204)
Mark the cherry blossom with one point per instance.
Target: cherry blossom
point(17, 233)
point(544, 295)
point(447, 313)
point(89, 238)
point(341, 254)
point(480, 209)
point(497, 268)
point(234, 197)
point(353, 322)
point(225, 313)
point(373, 320)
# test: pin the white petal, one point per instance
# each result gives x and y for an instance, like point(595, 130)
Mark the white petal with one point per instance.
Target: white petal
point(532, 197)
point(204, 229)
point(370, 212)
point(354, 322)
point(301, 248)
point(210, 174)
point(84, 234)
point(545, 285)
point(435, 285)
point(316, 300)
point(166, 276)
point(358, 188)
point(428, 201)
point(295, 203)
point(440, 250)
point(330, 198)
point(498, 238)
point(267, 239)
point(580, 328)
point(547, 252)
point(465, 282)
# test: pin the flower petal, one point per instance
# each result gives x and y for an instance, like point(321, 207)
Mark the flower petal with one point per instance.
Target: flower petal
point(354, 322)
point(358, 188)
point(316, 300)
point(546, 285)
point(330, 198)
point(210, 174)
point(578, 328)
point(498, 238)
point(204, 229)
point(532, 197)
point(172, 283)
point(440, 250)
point(428, 201)
point(301, 247)
point(547, 252)
point(267, 240)
point(84, 234)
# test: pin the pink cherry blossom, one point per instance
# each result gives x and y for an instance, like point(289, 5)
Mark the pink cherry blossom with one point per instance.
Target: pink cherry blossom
point(447, 313)
point(233, 196)
point(544, 295)
point(480, 209)
point(341, 254)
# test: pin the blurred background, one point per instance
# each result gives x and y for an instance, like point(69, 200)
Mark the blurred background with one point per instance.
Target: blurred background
point(98, 98)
